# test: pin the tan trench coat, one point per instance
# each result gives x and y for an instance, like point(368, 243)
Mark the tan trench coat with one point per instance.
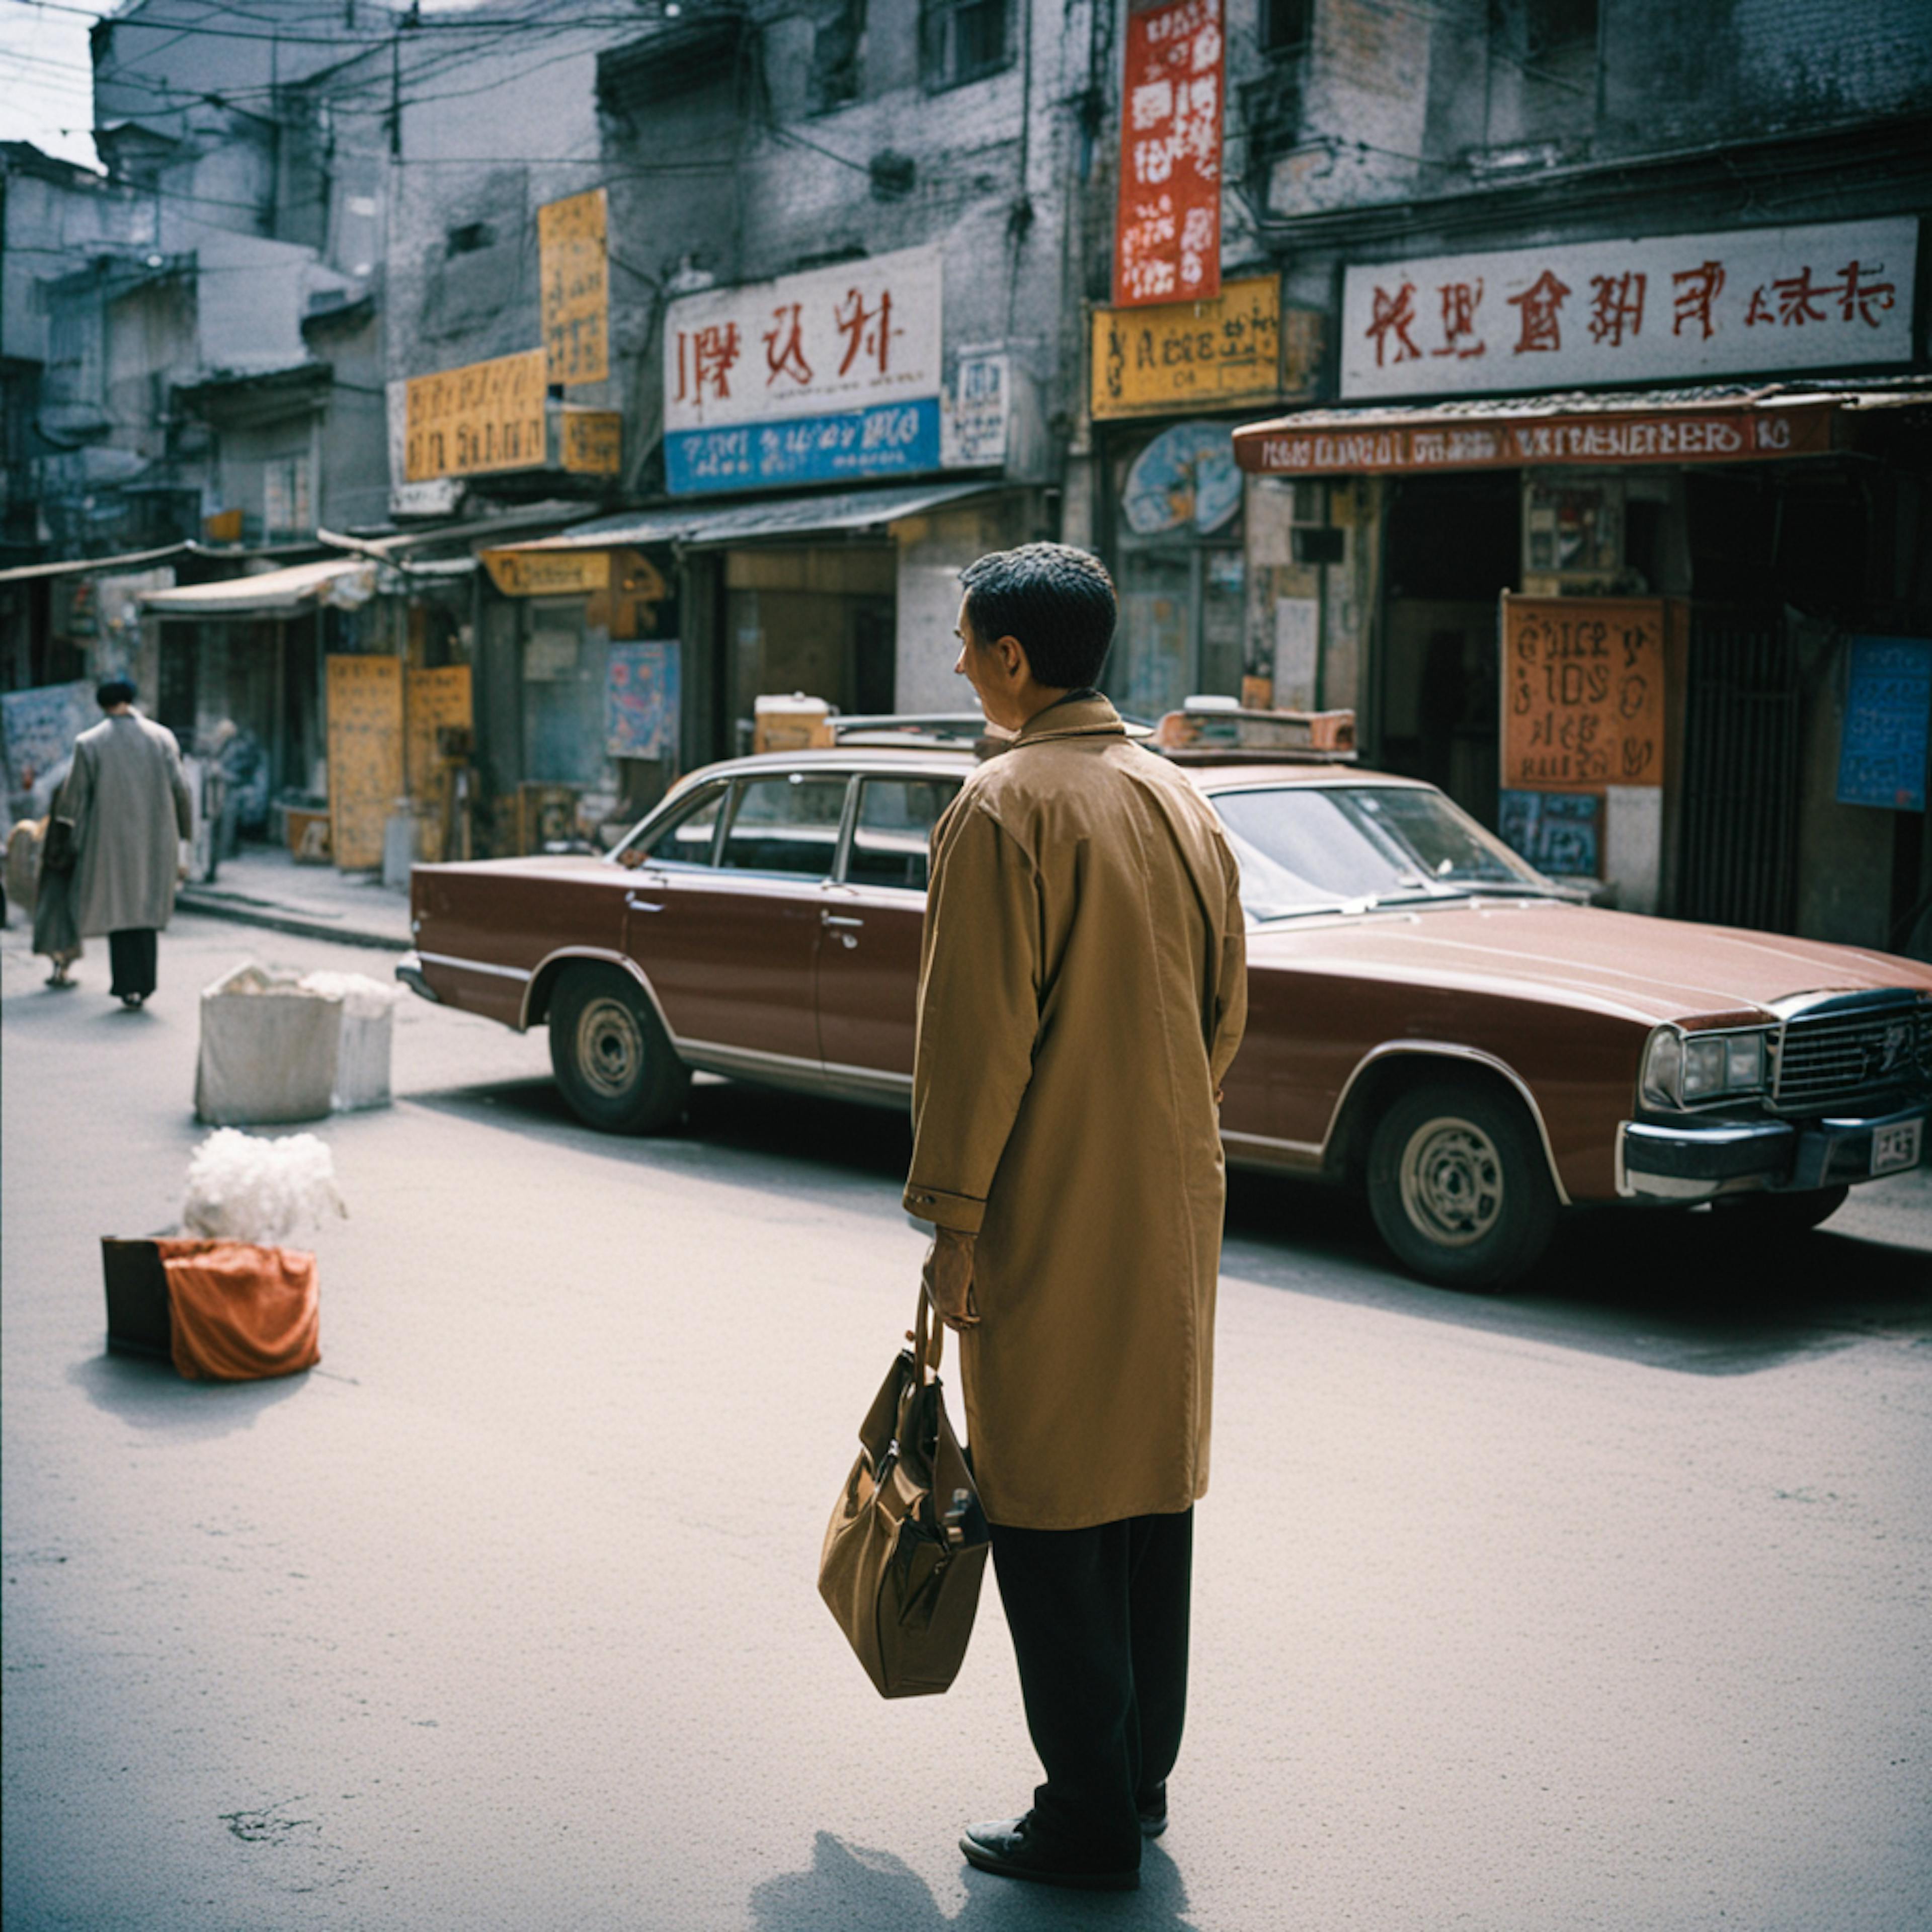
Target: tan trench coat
point(129, 801)
point(1082, 989)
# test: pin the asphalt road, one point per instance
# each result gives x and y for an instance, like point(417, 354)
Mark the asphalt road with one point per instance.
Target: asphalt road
point(1602, 1605)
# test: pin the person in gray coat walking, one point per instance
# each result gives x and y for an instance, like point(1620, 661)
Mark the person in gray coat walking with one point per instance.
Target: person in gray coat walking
point(128, 799)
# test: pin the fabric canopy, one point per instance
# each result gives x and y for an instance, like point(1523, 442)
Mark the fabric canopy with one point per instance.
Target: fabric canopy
point(342, 581)
point(237, 1312)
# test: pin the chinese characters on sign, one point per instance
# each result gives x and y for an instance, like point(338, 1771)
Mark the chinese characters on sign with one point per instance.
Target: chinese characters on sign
point(832, 373)
point(1185, 355)
point(575, 273)
point(365, 754)
point(1888, 722)
point(593, 441)
point(1732, 434)
point(1583, 692)
point(488, 415)
point(1691, 305)
point(1167, 227)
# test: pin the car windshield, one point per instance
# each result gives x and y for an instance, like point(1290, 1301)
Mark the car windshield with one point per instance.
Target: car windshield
point(1316, 848)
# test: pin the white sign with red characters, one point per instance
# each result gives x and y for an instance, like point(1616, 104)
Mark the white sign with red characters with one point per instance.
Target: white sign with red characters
point(1167, 227)
point(1694, 307)
point(835, 373)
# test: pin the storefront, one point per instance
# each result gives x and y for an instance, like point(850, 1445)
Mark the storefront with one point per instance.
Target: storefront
point(1628, 630)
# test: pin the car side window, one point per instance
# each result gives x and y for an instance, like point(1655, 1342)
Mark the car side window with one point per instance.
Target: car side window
point(892, 837)
point(689, 839)
point(787, 823)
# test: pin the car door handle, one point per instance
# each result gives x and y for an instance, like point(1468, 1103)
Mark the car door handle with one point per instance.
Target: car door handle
point(839, 918)
point(633, 904)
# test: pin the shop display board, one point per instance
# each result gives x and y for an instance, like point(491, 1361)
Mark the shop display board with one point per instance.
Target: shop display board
point(1882, 755)
point(640, 701)
point(435, 700)
point(1167, 223)
point(1558, 831)
point(365, 755)
point(1583, 692)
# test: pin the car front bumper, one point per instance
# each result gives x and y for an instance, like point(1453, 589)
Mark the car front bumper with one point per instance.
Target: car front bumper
point(1697, 1163)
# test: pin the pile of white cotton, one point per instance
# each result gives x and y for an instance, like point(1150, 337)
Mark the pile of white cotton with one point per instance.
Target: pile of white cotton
point(243, 1188)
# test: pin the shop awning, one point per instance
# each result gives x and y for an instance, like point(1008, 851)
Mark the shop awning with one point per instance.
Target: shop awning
point(86, 566)
point(748, 523)
point(1663, 427)
point(344, 581)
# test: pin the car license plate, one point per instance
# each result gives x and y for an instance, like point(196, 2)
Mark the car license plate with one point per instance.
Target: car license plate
point(1896, 1147)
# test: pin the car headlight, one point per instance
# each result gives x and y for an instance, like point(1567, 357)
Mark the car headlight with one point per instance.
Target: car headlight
point(1681, 1070)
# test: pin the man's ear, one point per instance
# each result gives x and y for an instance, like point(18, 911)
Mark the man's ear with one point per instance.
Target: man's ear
point(1012, 655)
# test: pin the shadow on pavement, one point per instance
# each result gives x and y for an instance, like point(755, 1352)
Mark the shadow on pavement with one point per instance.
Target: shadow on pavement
point(1670, 1289)
point(149, 1394)
point(848, 1888)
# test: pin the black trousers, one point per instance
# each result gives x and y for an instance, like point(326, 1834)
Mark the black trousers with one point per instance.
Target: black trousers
point(133, 953)
point(1099, 1623)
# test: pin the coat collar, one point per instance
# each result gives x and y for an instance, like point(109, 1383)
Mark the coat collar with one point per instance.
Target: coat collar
point(1087, 716)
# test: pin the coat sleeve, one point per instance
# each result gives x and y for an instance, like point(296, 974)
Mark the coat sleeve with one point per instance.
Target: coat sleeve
point(76, 794)
point(978, 1016)
point(177, 784)
point(1231, 992)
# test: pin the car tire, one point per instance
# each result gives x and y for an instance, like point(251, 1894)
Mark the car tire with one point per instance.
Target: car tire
point(1459, 1186)
point(610, 1054)
point(1768, 1216)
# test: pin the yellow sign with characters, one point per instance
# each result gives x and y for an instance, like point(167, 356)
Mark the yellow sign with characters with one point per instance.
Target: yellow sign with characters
point(547, 573)
point(365, 755)
point(593, 441)
point(1583, 692)
point(486, 415)
point(575, 273)
point(1188, 356)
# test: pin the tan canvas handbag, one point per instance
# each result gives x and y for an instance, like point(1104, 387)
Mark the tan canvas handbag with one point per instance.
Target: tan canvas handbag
point(906, 1548)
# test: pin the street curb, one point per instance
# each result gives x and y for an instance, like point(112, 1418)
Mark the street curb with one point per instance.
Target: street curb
point(188, 900)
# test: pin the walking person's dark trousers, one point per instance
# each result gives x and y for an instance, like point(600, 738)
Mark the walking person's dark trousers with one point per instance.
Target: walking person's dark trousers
point(133, 953)
point(1099, 1623)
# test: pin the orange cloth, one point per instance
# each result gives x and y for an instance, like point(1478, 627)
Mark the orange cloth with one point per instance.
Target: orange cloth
point(237, 1311)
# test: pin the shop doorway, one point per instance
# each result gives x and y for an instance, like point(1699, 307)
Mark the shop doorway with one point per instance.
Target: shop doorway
point(1454, 546)
point(823, 622)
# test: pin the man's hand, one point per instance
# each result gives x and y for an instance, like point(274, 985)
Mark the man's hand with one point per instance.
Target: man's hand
point(948, 1276)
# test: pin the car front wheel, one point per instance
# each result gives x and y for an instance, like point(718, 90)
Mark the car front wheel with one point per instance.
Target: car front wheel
point(1459, 1186)
point(610, 1054)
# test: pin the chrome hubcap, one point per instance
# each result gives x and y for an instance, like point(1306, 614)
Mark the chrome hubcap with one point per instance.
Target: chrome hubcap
point(610, 1048)
point(1452, 1182)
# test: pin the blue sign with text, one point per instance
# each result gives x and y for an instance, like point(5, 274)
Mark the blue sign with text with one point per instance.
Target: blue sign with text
point(1888, 719)
point(885, 439)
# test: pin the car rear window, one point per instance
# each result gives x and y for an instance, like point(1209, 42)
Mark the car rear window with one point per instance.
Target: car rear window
point(785, 824)
point(892, 836)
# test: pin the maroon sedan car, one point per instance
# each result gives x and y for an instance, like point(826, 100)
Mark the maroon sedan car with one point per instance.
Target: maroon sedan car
point(1428, 1015)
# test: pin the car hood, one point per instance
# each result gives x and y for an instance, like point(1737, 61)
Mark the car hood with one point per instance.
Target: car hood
point(1643, 968)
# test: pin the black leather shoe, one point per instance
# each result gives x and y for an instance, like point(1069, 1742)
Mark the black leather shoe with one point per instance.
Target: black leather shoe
point(1153, 1812)
point(1009, 1848)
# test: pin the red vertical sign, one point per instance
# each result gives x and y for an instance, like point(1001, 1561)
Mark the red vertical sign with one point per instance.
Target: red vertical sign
point(1167, 232)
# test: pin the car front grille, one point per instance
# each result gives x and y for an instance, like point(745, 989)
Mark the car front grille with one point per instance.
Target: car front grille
point(1834, 1059)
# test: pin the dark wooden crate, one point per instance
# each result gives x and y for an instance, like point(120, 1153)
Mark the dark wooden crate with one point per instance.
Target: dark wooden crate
point(137, 1298)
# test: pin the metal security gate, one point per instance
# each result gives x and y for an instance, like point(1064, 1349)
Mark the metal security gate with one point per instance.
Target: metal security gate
point(1738, 854)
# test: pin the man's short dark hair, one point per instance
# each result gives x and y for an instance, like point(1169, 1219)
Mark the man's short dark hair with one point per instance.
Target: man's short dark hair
point(1058, 601)
point(114, 690)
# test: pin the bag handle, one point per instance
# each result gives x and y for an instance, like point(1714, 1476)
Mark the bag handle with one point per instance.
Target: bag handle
point(929, 1335)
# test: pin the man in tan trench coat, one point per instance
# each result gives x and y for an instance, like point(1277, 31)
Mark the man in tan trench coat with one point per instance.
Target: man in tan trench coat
point(1082, 991)
point(130, 804)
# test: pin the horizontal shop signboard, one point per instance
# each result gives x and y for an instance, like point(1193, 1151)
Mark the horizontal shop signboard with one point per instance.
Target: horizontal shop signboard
point(484, 416)
point(832, 373)
point(1677, 307)
point(1665, 436)
point(1186, 356)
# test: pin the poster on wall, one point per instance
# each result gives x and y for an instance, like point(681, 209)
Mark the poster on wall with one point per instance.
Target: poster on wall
point(1580, 315)
point(1558, 831)
point(830, 375)
point(1583, 692)
point(1167, 225)
point(1882, 755)
point(640, 701)
point(574, 277)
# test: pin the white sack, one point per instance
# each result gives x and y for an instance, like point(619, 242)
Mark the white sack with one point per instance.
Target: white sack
point(270, 1048)
point(368, 1018)
point(242, 1188)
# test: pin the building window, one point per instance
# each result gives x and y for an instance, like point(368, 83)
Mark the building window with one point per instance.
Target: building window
point(961, 40)
point(836, 37)
point(1286, 25)
point(470, 239)
point(1560, 30)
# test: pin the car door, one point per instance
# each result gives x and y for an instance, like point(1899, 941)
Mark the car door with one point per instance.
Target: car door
point(728, 929)
point(871, 917)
